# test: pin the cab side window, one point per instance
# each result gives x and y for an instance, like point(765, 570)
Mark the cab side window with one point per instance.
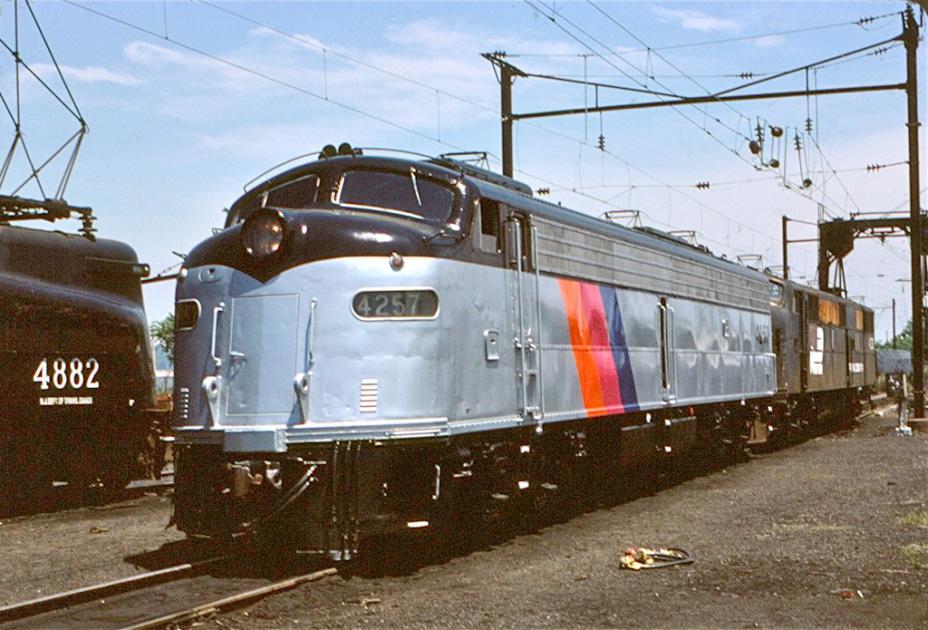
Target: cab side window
point(486, 227)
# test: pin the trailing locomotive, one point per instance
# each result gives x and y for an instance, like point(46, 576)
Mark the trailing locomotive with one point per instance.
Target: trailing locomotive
point(826, 359)
point(78, 379)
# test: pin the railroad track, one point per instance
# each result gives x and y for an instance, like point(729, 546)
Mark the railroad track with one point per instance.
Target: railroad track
point(156, 599)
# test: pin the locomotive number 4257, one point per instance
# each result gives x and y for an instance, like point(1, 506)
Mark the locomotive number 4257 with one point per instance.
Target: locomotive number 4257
point(60, 373)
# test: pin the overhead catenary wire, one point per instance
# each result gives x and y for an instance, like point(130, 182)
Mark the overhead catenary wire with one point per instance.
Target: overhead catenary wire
point(631, 166)
point(822, 156)
point(861, 22)
point(556, 18)
point(262, 75)
point(368, 65)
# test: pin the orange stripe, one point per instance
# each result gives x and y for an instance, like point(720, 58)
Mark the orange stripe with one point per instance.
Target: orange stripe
point(591, 386)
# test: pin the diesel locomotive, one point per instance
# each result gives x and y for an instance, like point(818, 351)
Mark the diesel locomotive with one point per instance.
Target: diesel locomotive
point(374, 344)
point(77, 373)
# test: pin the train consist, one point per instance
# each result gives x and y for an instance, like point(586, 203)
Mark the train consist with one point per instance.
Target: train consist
point(374, 344)
point(77, 373)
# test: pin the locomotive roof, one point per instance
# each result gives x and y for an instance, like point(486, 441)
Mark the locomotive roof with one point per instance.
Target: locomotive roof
point(667, 244)
point(795, 286)
point(510, 194)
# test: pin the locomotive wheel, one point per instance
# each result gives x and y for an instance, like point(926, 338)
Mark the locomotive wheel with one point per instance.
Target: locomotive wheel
point(116, 477)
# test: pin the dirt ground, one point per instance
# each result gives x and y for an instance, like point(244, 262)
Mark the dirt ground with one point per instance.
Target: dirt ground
point(830, 533)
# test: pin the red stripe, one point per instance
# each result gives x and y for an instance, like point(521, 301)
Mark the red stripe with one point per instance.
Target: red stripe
point(591, 387)
point(601, 348)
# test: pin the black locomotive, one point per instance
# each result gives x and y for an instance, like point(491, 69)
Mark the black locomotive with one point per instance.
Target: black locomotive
point(76, 363)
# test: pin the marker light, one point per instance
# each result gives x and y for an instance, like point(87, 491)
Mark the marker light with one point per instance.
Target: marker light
point(263, 233)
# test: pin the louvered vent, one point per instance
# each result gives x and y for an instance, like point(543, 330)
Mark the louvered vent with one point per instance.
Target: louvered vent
point(370, 390)
point(182, 404)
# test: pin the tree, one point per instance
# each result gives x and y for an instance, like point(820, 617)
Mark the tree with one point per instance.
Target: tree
point(903, 340)
point(163, 333)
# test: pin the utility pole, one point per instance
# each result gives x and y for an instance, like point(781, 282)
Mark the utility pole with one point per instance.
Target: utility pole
point(507, 75)
point(910, 39)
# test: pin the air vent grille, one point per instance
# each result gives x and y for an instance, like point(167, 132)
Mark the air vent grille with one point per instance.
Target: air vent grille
point(370, 391)
point(182, 405)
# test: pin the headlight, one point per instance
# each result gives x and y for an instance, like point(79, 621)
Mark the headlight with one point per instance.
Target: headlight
point(263, 233)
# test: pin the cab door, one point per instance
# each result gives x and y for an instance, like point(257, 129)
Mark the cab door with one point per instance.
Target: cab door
point(803, 348)
point(521, 259)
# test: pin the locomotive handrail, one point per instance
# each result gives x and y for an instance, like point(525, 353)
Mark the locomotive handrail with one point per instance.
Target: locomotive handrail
point(212, 344)
point(262, 174)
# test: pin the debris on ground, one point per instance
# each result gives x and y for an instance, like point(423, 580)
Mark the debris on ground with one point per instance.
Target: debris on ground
point(637, 558)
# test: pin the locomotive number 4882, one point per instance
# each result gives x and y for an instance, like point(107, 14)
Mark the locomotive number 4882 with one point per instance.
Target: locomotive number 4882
point(60, 373)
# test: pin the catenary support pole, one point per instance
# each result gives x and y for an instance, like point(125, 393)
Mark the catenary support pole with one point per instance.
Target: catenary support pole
point(785, 249)
point(910, 38)
point(505, 83)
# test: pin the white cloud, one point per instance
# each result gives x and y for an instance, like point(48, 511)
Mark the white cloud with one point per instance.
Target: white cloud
point(89, 74)
point(770, 41)
point(696, 20)
point(302, 40)
point(155, 56)
point(430, 33)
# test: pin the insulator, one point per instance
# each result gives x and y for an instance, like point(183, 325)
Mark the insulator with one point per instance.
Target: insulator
point(776, 132)
point(601, 142)
point(755, 147)
point(543, 191)
point(703, 185)
point(774, 163)
point(808, 125)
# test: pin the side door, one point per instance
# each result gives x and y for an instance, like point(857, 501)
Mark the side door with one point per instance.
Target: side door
point(524, 308)
point(668, 362)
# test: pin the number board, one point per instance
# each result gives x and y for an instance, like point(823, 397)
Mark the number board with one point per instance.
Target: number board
point(59, 380)
point(396, 304)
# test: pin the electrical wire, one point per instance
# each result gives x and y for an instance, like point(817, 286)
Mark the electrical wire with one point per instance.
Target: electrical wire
point(360, 62)
point(404, 78)
point(313, 94)
point(729, 40)
point(821, 153)
point(263, 75)
point(556, 18)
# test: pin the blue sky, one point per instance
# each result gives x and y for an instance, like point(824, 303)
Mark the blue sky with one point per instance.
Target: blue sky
point(183, 115)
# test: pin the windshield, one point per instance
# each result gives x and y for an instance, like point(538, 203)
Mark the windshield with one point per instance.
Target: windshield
point(403, 193)
point(296, 194)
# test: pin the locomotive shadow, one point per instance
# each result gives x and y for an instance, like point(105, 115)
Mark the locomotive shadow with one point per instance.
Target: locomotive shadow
point(405, 554)
point(247, 562)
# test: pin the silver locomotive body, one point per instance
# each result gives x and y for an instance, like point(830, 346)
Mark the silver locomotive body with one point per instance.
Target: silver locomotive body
point(344, 368)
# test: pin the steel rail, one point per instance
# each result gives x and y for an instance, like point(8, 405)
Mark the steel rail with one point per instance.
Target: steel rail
point(231, 601)
point(59, 601)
